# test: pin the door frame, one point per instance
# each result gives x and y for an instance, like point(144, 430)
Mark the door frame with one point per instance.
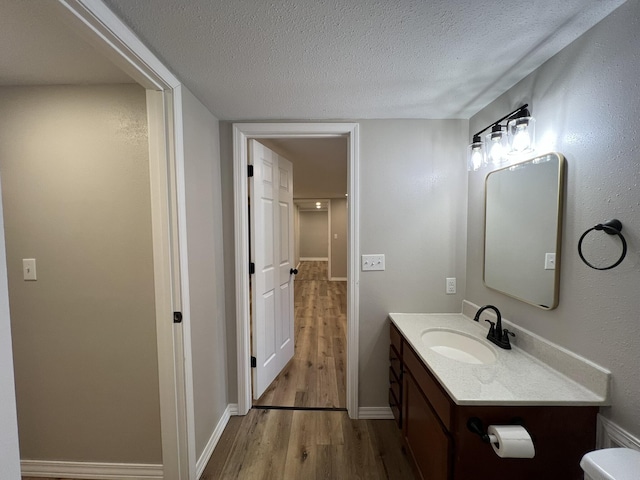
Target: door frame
point(101, 28)
point(242, 132)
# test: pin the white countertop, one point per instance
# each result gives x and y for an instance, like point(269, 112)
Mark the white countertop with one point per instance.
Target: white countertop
point(515, 378)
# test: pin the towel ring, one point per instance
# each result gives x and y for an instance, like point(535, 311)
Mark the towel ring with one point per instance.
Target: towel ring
point(612, 227)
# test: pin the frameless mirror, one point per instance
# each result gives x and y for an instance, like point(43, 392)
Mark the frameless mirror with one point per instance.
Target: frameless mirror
point(523, 221)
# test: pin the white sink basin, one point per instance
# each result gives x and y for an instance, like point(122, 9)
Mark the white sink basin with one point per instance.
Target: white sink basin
point(458, 346)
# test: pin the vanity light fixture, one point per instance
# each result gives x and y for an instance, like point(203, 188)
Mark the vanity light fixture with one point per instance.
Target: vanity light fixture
point(516, 136)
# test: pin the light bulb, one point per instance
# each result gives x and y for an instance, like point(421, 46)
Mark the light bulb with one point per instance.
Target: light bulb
point(521, 139)
point(476, 158)
point(521, 134)
point(496, 152)
point(475, 154)
point(495, 142)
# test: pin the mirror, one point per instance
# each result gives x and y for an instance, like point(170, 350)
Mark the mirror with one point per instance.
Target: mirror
point(523, 222)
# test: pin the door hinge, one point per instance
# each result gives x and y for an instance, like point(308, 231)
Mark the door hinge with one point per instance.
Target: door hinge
point(250, 170)
point(252, 268)
point(177, 317)
point(254, 362)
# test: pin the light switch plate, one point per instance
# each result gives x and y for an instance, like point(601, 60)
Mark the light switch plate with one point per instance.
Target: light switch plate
point(372, 262)
point(29, 268)
point(549, 261)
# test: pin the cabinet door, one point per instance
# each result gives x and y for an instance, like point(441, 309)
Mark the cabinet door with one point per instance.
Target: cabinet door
point(428, 443)
point(395, 384)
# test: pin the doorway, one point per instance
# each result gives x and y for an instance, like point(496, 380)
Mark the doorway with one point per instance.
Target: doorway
point(241, 134)
point(315, 378)
point(111, 38)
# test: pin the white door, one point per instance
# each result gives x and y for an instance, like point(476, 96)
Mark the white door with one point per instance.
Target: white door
point(271, 218)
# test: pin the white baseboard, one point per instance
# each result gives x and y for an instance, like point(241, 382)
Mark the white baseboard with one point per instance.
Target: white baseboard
point(121, 471)
point(215, 437)
point(314, 259)
point(338, 279)
point(375, 413)
point(611, 435)
point(91, 470)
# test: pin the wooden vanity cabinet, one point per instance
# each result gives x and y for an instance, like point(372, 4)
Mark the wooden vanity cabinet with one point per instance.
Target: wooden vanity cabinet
point(441, 447)
point(427, 442)
point(395, 374)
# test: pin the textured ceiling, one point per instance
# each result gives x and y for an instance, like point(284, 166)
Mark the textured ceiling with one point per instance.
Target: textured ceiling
point(346, 59)
point(312, 59)
point(37, 48)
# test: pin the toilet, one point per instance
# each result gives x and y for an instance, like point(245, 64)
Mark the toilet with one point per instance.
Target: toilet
point(611, 464)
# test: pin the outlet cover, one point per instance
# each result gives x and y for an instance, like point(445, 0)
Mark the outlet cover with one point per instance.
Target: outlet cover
point(451, 286)
point(29, 269)
point(549, 261)
point(372, 262)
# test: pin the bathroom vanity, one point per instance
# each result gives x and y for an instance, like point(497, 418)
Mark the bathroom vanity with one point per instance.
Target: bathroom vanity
point(433, 396)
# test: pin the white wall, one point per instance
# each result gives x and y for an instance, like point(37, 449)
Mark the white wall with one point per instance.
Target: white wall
point(206, 267)
point(587, 97)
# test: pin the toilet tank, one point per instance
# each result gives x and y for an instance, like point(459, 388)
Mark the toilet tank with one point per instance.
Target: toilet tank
point(611, 464)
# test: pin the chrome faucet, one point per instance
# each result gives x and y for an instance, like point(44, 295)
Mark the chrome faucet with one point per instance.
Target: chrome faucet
point(496, 334)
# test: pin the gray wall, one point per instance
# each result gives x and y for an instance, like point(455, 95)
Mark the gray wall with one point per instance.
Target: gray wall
point(206, 267)
point(338, 227)
point(413, 209)
point(587, 98)
point(75, 181)
point(314, 234)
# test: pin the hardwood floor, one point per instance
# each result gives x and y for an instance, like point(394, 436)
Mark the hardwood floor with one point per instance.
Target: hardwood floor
point(315, 377)
point(308, 445)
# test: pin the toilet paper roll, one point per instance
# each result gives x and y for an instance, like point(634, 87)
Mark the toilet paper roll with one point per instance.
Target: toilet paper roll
point(513, 441)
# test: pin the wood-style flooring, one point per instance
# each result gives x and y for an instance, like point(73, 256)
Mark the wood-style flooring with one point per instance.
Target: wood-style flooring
point(308, 445)
point(316, 375)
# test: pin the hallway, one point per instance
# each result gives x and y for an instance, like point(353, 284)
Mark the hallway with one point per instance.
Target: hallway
point(315, 376)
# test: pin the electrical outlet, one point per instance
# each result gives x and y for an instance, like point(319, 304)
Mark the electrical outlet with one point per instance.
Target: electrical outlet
point(451, 286)
point(372, 262)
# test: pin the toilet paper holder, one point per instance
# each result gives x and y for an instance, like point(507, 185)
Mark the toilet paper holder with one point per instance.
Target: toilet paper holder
point(474, 424)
